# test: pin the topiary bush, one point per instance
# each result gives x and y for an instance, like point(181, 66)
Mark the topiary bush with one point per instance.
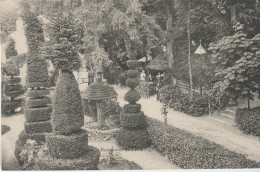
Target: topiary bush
point(192, 152)
point(134, 133)
point(12, 89)
point(122, 78)
point(249, 120)
point(133, 139)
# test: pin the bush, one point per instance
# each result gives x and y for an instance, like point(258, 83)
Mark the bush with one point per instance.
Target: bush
point(4, 129)
point(181, 102)
point(110, 107)
point(133, 73)
point(132, 96)
point(113, 121)
point(67, 113)
point(88, 161)
point(39, 102)
point(192, 152)
point(132, 64)
point(38, 137)
point(37, 93)
point(38, 114)
point(249, 120)
point(14, 80)
point(133, 139)
point(129, 108)
point(132, 82)
point(131, 121)
point(67, 146)
point(8, 107)
point(122, 78)
point(37, 127)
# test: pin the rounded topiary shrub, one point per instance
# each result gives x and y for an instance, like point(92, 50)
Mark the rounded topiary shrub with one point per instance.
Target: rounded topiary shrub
point(133, 139)
point(132, 96)
point(67, 105)
point(249, 120)
point(136, 121)
point(132, 108)
point(132, 82)
point(133, 73)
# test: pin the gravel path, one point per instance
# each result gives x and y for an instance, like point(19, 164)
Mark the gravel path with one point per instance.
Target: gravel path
point(226, 135)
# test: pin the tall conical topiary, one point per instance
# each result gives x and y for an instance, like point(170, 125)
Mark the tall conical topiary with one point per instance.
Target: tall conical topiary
point(12, 88)
point(67, 145)
point(134, 134)
point(37, 110)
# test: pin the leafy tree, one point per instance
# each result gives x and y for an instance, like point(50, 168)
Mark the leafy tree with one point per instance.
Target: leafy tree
point(237, 64)
point(10, 50)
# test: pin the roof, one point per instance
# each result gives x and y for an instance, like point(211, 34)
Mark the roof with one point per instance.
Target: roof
point(159, 63)
point(99, 91)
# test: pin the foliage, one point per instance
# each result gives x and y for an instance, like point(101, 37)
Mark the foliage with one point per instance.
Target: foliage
point(133, 139)
point(37, 114)
point(237, 64)
point(110, 107)
point(67, 146)
point(132, 108)
point(67, 113)
point(8, 24)
point(10, 50)
point(132, 96)
point(61, 49)
point(122, 78)
point(130, 121)
point(37, 127)
point(192, 152)
point(4, 129)
point(249, 120)
point(179, 101)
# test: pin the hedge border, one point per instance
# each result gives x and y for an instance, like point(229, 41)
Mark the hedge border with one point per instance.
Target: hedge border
point(193, 152)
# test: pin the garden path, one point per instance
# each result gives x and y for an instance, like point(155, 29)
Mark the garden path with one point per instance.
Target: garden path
point(224, 134)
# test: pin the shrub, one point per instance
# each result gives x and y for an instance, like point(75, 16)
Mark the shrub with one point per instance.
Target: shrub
point(88, 161)
point(191, 152)
point(113, 121)
point(40, 102)
point(249, 120)
point(133, 73)
point(122, 78)
point(8, 107)
point(14, 80)
point(129, 108)
point(37, 114)
point(38, 137)
point(4, 129)
point(37, 93)
point(131, 121)
point(67, 113)
point(133, 139)
point(67, 146)
point(132, 83)
point(132, 64)
point(37, 127)
point(110, 107)
point(132, 96)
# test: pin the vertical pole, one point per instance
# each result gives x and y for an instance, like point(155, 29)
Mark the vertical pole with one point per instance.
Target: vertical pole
point(189, 54)
point(99, 114)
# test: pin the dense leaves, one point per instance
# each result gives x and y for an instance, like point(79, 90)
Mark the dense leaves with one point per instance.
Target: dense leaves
point(10, 50)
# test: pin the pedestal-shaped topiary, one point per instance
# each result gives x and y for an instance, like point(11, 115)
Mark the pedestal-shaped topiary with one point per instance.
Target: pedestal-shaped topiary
point(67, 145)
point(12, 88)
point(134, 134)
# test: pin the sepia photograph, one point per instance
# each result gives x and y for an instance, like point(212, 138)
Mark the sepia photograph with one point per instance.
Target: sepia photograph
point(130, 85)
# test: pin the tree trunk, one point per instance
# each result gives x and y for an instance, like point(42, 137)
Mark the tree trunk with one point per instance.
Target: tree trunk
point(189, 54)
point(170, 39)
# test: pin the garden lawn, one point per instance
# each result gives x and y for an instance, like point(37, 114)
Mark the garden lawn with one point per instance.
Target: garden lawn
point(226, 135)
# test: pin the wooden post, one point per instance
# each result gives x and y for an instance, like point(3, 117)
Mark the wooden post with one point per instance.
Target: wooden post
point(99, 114)
point(189, 54)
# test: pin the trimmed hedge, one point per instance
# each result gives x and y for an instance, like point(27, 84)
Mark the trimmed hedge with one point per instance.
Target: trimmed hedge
point(133, 73)
point(192, 152)
point(67, 146)
point(38, 114)
point(130, 121)
point(67, 105)
point(38, 137)
point(132, 108)
point(37, 93)
point(37, 72)
point(132, 82)
point(132, 96)
point(89, 161)
point(249, 120)
point(132, 64)
point(133, 139)
point(14, 80)
point(8, 107)
point(39, 102)
point(37, 127)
